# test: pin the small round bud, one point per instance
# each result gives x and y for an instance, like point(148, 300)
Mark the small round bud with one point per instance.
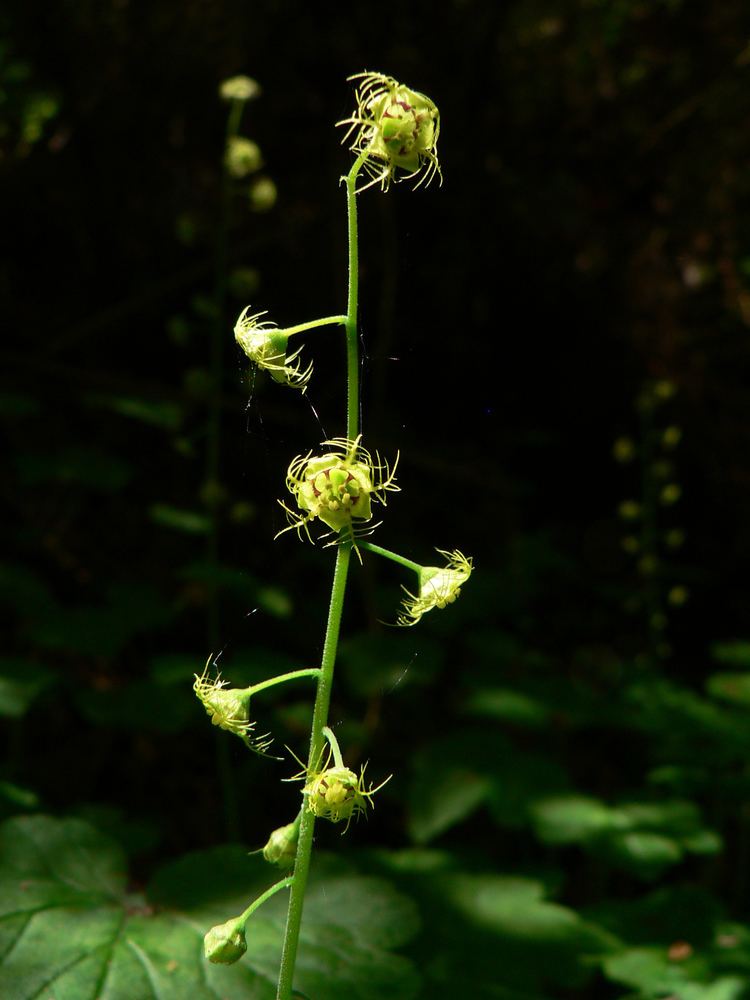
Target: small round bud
point(629, 510)
point(658, 621)
point(623, 450)
point(670, 494)
point(677, 596)
point(281, 848)
point(630, 544)
point(664, 389)
point(263, 194)
point(239, 88)
point(242, 157)
point(225, 943)
point(671, 437)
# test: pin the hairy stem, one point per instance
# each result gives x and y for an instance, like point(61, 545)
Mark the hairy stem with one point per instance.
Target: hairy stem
point(283, 884)
point(393, 556)
point(313, 323)
point(293, 675)
point(335, 610)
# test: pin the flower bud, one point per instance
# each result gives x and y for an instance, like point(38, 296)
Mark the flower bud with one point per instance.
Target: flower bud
point(239, 88)
point(242, 156)
point(281, 848)
point(225, 943)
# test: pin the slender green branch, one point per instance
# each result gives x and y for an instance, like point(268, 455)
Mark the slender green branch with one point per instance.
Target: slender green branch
point(326, 321)
point(393, 556)
point(352, 346)
point(293, 675)
point(283, 884)
point(338, 760)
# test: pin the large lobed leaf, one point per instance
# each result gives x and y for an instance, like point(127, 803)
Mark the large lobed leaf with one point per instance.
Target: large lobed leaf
point(69, 929)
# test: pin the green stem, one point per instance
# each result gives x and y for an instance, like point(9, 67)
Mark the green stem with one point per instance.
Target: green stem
point(283, 678)
point(393, 556)
point(338, 760)
point(242, 920)
point(335, 610)
point(326, 321)
point(352, 346)
point(307, 825)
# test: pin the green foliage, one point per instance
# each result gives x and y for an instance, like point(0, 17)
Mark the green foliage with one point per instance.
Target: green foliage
point(69, 924)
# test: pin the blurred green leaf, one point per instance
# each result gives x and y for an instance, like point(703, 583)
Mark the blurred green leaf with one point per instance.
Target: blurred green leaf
point(192, 522)
point(375, 664)
point(97, 470)
point(508, 705)
point(569, 819)
point(21, 681)
point(733, 654)
point(156, 412)
point(730, 687)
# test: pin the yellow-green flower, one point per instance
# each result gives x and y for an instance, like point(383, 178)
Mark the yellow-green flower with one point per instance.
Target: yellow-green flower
point(338, 487)
point(229, 709)
point(266, 346)
point(396, 129)
point(438, 586)
point(239, 88)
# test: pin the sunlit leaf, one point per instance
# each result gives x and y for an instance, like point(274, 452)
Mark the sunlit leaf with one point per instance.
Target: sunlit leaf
point(69, 927)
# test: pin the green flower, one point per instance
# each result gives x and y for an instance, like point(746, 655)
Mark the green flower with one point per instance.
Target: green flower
point(337, 793)
point(338, 487)
point(438, 586)
point(239, 88)
point(396, 129)
point(266, 346)
point(229, 709)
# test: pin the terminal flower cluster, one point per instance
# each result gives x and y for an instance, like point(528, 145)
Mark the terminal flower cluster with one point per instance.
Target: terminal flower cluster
point(395, 129)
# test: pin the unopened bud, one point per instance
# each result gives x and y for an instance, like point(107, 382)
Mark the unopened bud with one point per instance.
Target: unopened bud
point(225, 943)
point(281, 848)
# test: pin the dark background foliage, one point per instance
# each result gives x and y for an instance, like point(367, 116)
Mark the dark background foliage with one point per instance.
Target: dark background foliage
point(582, 277)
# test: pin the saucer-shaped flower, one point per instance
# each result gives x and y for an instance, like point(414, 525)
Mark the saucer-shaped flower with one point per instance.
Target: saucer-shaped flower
point(438, 587)
point(396, 129)
point(338, 487)
point(229, 709)
point(266, 345)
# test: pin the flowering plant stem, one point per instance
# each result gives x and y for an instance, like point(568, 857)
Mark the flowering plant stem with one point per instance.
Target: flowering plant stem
point(393, 556)
point(335, 610)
